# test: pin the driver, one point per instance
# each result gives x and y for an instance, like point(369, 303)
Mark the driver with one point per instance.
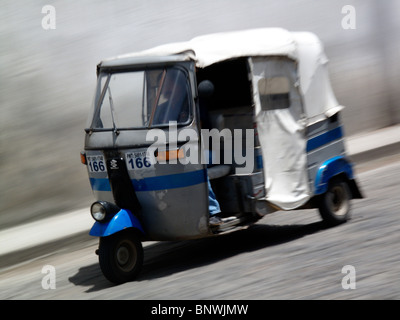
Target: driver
point(174, 97)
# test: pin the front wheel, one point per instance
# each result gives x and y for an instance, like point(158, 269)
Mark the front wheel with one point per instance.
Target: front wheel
point(334, 205)
point(121, 256)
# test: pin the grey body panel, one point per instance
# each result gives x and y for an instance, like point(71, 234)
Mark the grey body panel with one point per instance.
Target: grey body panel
point(317, 156)
point(180, 209)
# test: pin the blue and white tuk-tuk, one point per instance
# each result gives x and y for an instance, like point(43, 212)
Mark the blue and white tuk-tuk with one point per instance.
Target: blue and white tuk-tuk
point(231, 125)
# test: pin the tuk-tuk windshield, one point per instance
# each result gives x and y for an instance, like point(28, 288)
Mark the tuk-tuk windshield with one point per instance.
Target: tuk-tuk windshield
point(141, 99)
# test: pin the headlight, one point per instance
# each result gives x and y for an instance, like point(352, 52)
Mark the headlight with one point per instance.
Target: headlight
point(98, 211)
point(103, 210)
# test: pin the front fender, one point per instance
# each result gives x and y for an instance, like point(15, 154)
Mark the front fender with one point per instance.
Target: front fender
point(329, 169)
point(122, 220)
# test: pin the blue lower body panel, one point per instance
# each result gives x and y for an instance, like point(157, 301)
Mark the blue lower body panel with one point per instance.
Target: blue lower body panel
point(122, 220)
point(329, 169)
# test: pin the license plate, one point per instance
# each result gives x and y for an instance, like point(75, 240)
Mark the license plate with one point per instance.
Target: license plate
point(139, 160)
point(96, 163)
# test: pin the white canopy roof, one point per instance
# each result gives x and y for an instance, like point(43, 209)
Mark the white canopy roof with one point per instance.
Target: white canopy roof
point(209, 49)
point(304, 47)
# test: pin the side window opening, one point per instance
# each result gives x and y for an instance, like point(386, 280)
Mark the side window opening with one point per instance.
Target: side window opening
point(274, 93)
point(230, 108)
point(231, 82)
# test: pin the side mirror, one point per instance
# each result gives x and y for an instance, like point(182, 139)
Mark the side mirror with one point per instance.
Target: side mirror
point(205, 89)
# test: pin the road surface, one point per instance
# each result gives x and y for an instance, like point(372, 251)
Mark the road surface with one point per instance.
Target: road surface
point(286, 255)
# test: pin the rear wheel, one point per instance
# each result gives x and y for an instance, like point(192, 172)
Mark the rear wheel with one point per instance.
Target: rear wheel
point(121, 256)
point(334, 205)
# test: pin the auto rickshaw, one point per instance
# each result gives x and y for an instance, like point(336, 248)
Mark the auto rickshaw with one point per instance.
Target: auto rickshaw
point(248, 117)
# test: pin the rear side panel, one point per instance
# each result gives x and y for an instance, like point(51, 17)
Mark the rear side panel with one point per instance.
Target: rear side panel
point(324, 142)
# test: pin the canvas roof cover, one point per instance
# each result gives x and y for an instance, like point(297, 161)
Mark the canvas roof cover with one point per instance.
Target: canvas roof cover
point(304, 47)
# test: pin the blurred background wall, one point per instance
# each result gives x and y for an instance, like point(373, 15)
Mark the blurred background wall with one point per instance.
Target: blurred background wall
point(47, 77)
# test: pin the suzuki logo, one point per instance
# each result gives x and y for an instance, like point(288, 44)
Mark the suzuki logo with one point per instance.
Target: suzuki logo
point(114, 164)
